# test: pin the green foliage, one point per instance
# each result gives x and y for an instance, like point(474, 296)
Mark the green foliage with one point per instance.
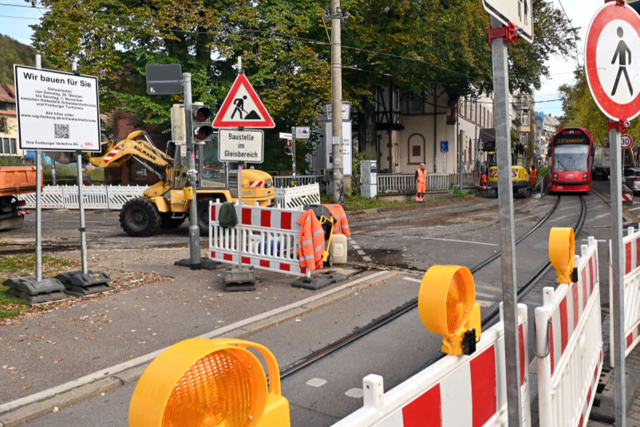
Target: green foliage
point(544, 171)
point(358, 203)
point(14, 52)
point(11, 161)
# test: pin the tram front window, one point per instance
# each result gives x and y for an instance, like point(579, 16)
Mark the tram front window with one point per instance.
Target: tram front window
point(571, 158)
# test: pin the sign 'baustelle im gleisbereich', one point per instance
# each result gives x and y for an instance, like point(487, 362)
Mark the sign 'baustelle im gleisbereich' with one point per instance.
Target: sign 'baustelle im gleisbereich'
point(57, 111)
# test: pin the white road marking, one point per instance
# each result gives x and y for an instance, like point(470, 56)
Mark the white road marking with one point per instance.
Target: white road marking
point(356, 393)
point(316, 382)
point(356, 246)
point(458, 241)
point(601, 216)
point(149, 357)
point(634, 209)
point(367, 259)
point(412, 279)
point(562, 217)
point(485, 295)
point(361, 252)
point(485, 303)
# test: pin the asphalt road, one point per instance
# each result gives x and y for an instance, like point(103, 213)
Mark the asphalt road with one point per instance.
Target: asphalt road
point(463, 234)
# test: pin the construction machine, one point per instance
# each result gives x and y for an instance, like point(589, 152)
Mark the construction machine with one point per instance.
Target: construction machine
point(166, 203)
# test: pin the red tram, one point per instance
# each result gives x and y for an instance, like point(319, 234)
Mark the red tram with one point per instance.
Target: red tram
point(571, 152)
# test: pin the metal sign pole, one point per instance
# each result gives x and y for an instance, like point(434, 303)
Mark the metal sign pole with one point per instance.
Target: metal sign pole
point(194, 230)
point(83, 236)
point(507, 240)
point(293, 155)
point(617, 284)
point(239, 226)
point(38, 201)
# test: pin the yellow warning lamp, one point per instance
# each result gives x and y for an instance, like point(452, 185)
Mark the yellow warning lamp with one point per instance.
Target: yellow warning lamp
point(214, 383)
point(562, 253)
point(447, 307)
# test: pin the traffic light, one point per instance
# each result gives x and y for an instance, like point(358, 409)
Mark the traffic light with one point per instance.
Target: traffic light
point(447, 306)
point(562, 253)
point(287, 147)
point(202, 128)
point(204, 382)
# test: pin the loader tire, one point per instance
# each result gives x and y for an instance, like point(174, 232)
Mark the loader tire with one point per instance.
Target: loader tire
point(167, 222)
point(203, 216)
point(139, 218)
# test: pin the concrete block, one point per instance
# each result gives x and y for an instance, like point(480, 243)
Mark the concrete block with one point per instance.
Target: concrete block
point(319, 280)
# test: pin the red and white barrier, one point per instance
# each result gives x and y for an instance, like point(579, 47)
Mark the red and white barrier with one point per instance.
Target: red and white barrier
point(569, 336)
point(627, 197)
point(455, 391)
point(631, 291)
point(269, 239)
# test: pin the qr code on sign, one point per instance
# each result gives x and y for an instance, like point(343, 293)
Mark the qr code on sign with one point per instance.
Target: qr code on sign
point(61, 131)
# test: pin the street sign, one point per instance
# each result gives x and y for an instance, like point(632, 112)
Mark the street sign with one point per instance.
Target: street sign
point(626, 142)
point(241, 146)
point(285, 135)
point(303, 132)
point(242, 108)
point(612, 72)
point(346, 111)
point(518, 12)
point(164, 79)
point(57, 111)
point(331, 140)
point(444, 146)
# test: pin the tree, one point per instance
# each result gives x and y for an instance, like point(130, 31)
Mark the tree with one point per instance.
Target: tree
point(14, 52)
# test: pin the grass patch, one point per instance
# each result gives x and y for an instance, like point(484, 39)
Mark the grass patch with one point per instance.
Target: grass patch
point(24, 265)
point(357, 202)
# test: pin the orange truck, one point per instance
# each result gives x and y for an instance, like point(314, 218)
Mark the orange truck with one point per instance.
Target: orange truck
point(15, 180)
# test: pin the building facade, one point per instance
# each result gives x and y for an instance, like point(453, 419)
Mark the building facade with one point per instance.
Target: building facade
point(9, 140)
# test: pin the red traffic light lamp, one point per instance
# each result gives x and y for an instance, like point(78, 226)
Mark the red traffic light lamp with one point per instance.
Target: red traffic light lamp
point(287, 147)
point(202, 118)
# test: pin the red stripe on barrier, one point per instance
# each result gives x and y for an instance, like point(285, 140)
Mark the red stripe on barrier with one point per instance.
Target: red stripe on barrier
point(265, 218)
point(592, 279)
point(627, 264)
point(213, 212)
point(483, 387)
point(285, 267)
point(576, 311)
point(246, 260)
point(213, 255)
point(228, 257)
point(303, 270)
point(285, 220)
point(589, 394)
point(521, 352)
point(425, 411)
point(564, 327)
point(584, 289)
point(581, 420)
point(638, 332)
point(595, 374)
point(246, 216)
point(551, 353)
point(595, 260)
point(264, 263)
point(629, 340)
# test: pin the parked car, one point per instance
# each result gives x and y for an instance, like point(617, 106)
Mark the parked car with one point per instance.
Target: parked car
point(632, 179)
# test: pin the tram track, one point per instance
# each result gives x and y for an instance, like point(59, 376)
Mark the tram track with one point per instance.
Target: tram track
point(386, 319)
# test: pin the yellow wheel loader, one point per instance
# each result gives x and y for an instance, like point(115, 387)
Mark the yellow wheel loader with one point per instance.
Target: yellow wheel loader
point(166, 203)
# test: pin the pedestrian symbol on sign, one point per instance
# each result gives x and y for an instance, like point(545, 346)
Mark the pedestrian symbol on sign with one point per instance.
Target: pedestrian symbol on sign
point(621, 54)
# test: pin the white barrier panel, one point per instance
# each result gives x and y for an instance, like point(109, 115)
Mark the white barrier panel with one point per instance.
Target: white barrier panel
point(631, 292)
point(95, 196)
point(569, 336)
point(297, 197)
point(269, 239)
point(456, 391)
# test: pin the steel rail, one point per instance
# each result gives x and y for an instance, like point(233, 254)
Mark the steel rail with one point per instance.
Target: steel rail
point(397, 312)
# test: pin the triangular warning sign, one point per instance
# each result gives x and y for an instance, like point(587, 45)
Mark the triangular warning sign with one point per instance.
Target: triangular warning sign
point(243, 108)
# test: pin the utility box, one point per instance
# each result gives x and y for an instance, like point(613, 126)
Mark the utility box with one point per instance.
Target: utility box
point(339, 248)
point(369, 179)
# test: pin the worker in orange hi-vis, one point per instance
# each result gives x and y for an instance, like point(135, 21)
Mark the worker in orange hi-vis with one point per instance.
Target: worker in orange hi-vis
point(484, 181)
point(421, 179)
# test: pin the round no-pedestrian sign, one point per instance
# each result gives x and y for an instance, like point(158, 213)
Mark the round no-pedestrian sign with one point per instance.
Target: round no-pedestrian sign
point(612, 61)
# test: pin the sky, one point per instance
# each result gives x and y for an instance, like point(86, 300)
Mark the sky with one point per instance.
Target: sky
point(15, 20)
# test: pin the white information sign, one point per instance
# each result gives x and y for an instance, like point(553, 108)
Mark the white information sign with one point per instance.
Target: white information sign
point(241, 146)
point(57, 111)
point(519, 12)
point(303, 132)
point(284, 135)
point(346, 147)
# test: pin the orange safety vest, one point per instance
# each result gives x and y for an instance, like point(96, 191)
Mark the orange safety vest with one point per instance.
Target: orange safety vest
point(422, 175)
point(341, 225)
point(310, 242)
point(484, 178)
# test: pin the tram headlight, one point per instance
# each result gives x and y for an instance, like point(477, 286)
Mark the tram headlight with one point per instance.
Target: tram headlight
point(585, 176)
point(562, 253)
point(446, 304)
point(555, 176)
point(202, 382)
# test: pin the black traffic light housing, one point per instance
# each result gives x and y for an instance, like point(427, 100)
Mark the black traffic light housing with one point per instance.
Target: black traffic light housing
point(202, 118)
point(287, 147)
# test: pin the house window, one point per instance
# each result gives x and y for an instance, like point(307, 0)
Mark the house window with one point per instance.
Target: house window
point(523, 139)
point(416, 107)
point(3, 124)
point(416, 149)
point(14, 148)
point(525, 119)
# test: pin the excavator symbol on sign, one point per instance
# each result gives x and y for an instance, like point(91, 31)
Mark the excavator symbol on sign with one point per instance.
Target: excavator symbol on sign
point(239, 103)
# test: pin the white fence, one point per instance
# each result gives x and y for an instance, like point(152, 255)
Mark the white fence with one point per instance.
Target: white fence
point(569, 336)
point(455, 391)
point(285, 181)
point(631, 292)
point(95, 196)
point(269, 239)
point(399, 183)
point(297, 197)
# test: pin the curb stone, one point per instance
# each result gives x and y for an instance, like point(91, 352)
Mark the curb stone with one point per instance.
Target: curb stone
point(37, 409)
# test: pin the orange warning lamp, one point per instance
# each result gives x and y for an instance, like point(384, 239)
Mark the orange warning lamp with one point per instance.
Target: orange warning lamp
point(447, 307)
point(562, 253)
point(217, 383)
